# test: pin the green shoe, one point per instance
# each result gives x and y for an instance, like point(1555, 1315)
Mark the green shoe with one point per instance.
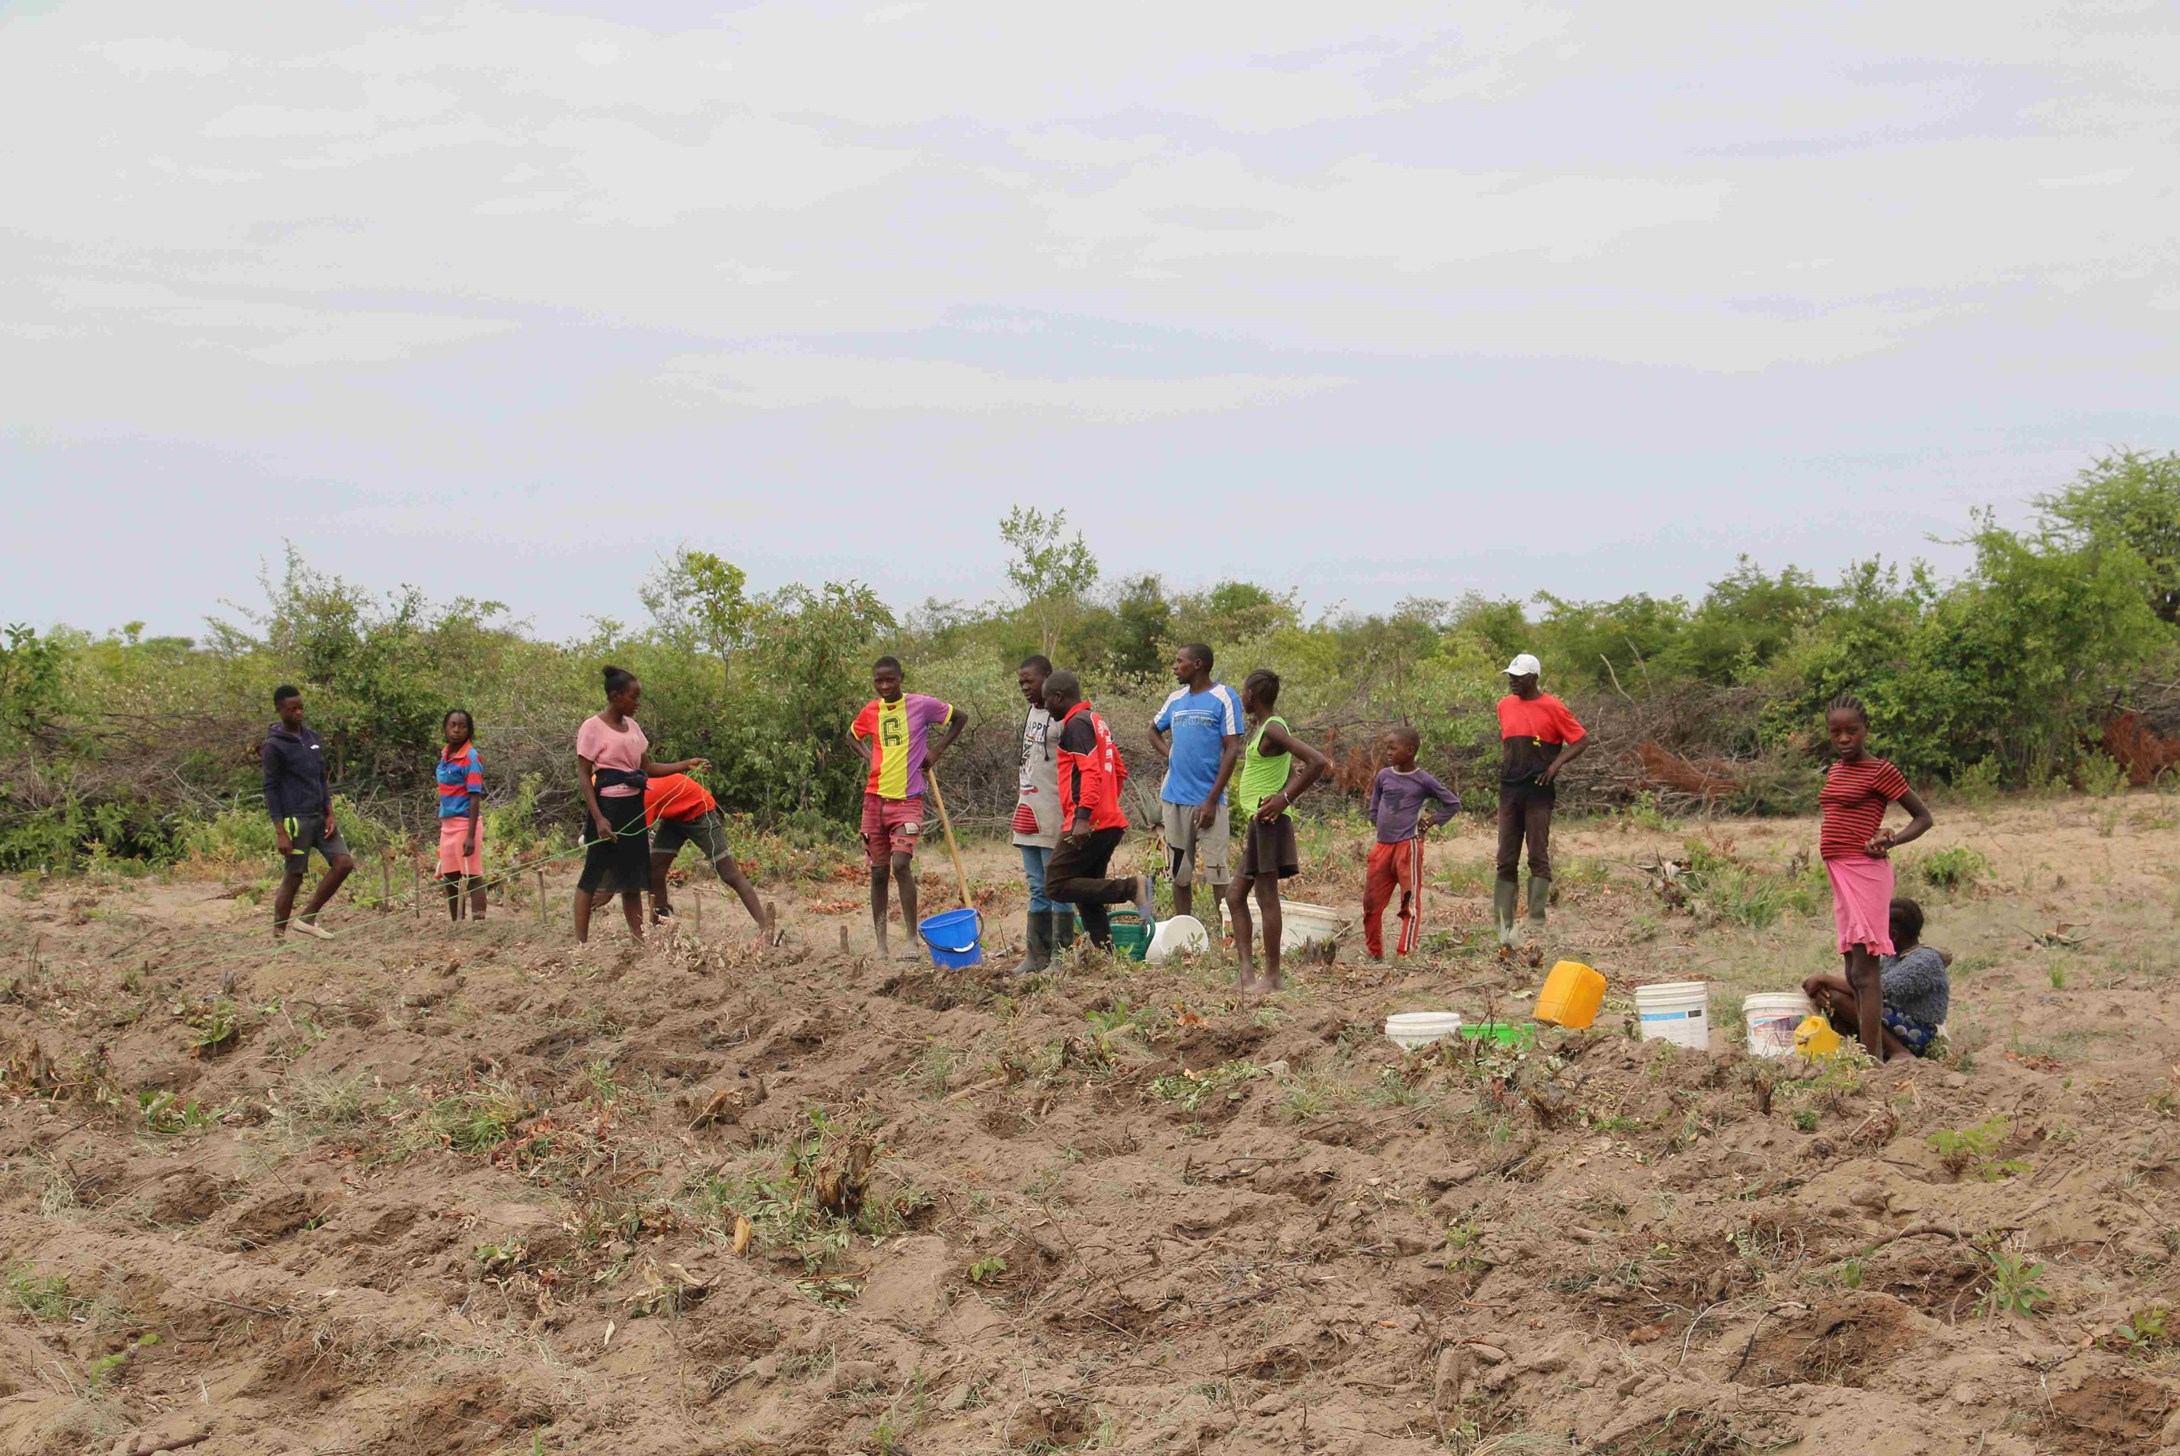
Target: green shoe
point(1505, 906)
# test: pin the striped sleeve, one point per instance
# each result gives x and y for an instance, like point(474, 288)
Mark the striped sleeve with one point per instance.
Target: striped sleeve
point(1890, 782)
point(475, 783)
point(1231, 701)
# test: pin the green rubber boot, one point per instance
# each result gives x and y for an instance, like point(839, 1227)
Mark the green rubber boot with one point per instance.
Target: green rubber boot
point(1540, 895)
point(1505, 906)
point(1036, 943)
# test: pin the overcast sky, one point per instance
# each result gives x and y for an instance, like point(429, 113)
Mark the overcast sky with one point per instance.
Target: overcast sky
point(1367, 299)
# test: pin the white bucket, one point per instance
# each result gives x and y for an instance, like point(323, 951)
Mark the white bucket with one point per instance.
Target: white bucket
point(1772, 1017)
point(1182, 935)
point(1413, 1029)
point(1676, 1011)
point(1300, 922)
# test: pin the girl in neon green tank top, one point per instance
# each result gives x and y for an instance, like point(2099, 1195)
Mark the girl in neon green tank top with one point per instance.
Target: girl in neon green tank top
point(1269, 784)
point(1263, 774)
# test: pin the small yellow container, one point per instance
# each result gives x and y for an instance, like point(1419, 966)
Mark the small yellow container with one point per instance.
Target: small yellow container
point(1815, 1037)
point(1572, 995)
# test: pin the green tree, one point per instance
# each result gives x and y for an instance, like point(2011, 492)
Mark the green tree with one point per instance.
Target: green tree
point(30, 683)
point(2130, 499)
point(809, 649)
point(1051, 572)
point(697, 604)
point(1745, 621)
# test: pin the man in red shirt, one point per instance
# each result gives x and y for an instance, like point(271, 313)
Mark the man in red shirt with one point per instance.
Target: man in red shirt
point(683, 811)
point(1538, 738)
point(1092, 823)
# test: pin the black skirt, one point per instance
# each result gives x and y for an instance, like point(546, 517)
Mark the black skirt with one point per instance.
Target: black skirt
point(624, 861)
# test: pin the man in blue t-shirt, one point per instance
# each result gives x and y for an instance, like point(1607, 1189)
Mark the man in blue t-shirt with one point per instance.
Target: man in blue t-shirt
point(1199, 732)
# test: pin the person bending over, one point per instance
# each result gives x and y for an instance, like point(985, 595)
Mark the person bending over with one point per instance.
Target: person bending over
point(682, 811)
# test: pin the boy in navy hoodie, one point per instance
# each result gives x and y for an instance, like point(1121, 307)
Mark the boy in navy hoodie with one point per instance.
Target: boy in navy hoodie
point(301, 804)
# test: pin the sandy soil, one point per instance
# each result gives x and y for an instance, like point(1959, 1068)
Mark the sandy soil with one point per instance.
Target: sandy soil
point(434, 1189)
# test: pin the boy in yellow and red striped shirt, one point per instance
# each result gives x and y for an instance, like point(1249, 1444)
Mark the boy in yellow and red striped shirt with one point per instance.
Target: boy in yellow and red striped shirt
point(898, 726)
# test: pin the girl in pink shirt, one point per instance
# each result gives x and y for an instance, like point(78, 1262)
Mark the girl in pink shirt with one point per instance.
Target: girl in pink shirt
point(614, 759)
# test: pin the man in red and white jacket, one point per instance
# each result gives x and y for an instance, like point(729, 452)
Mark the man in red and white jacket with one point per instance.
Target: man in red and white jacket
point(1092, 822)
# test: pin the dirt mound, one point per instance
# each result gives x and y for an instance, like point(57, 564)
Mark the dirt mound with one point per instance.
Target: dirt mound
point(461, 1190)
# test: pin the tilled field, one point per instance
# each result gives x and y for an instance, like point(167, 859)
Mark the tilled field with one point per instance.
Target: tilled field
point(453, 1190)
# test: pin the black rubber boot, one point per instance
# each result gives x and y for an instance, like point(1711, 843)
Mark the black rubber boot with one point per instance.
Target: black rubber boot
point(1063, 929)
point(1037, 943)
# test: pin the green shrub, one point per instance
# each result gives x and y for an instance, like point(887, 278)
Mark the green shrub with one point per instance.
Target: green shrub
point(1954, 868)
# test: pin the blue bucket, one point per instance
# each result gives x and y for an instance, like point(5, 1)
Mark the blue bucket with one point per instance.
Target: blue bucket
point(953, 938)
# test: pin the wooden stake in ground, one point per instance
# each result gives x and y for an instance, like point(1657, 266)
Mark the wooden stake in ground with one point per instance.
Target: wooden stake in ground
point(541, 897)
point(386, 885)
point(961, 876)
point(698, 896)
point(416, 879)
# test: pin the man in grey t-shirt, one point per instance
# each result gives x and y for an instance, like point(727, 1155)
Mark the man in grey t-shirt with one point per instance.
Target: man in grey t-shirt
point(1037, 820)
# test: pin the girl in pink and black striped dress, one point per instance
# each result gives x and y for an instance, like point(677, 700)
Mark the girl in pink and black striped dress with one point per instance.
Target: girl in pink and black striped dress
point(1855, 844)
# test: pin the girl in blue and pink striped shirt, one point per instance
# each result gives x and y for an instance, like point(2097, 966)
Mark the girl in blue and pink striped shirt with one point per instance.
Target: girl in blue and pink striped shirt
point(461, 814)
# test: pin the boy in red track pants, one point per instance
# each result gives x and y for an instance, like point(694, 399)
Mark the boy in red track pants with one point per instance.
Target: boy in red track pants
point(1397, 797)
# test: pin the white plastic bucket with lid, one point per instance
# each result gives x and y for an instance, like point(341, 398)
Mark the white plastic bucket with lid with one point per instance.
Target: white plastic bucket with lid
point(1413, 1029)
point(1676, 1011)
point(1772, 1017)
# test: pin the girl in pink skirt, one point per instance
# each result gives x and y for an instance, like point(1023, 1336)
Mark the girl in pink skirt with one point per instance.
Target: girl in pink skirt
point(1857, 790)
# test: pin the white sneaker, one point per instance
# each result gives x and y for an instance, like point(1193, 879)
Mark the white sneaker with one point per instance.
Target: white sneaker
point(311, 928)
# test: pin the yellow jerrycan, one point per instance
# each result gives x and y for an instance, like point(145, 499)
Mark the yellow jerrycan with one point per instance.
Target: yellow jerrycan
point(1572, 995)
point(1815, 1037)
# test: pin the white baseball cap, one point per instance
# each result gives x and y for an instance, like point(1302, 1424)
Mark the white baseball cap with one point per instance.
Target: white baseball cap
point(1525, 665)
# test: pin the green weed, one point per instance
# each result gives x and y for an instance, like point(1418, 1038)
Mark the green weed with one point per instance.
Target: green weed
point(1190, 1090)
point(45, 1299)
point(166, 1113)
point(2016, 1285)
point(1954, 868)
point(1971, 1148)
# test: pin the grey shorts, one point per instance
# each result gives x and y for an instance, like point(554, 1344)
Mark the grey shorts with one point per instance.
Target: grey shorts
point(306, 832)
point(1187, 846)
point(708, 832)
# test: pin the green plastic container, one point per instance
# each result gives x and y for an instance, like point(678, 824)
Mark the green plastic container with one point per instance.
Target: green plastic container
point(1129, 936)
point(1503, 1033)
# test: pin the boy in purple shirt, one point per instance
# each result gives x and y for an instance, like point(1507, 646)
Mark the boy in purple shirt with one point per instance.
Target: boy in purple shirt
point(1397, 797)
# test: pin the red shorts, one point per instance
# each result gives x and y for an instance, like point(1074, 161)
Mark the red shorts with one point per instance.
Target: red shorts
point(890, 827)
point(451, 859)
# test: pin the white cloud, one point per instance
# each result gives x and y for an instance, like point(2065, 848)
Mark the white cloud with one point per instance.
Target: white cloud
point(296, 242)
point(792, 381)
point(145, 55)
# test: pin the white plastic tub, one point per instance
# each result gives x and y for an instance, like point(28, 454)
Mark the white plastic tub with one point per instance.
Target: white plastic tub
point(1412, 1029)
point(1676, 1011)
point(1301, 923)
point(1771, 1017)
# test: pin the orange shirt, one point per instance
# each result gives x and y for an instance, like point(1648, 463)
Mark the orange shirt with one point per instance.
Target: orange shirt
point(676, 796)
